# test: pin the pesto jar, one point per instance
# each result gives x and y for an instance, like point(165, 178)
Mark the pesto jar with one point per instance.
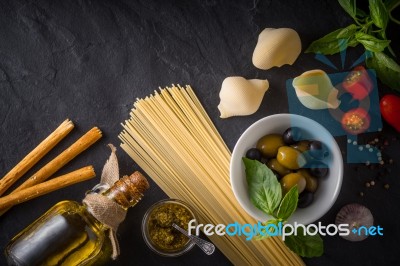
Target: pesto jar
point(157, 230)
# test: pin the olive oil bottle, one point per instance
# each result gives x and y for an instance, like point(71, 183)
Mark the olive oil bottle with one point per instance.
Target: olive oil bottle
point(69, 234)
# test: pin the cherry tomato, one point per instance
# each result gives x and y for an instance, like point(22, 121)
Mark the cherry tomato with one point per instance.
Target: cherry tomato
point(356, 121)
point(390, 110)
point(358, 83)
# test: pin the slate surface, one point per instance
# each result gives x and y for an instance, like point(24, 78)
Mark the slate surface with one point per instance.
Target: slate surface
point(90, 60)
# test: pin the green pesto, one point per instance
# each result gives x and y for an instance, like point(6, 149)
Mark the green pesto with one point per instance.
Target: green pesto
point(161, 232)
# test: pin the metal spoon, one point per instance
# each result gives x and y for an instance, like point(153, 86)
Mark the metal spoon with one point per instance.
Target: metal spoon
point(206, 246)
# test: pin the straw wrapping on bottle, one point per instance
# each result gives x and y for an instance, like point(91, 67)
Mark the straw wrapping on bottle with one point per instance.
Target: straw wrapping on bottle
point(104, 209)
point(107, 212)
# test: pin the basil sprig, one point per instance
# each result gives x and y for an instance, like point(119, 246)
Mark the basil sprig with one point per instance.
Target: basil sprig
point(369, 30)
point(302, 244)
point(265, 191)
point(266, 194)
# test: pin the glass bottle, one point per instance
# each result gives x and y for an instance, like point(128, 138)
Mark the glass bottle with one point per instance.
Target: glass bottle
point(68, 234)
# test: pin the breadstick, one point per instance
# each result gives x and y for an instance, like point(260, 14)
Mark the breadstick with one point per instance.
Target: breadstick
point(56, 183)
point(70, 153)
point(53, 166)
point(35, 155)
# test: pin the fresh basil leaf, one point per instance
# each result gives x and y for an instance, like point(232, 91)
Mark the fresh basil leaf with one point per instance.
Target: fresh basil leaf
point(349, 6)
point(288, 204)
point(379, 13)
point(386, 68)
point(305, 245)
point(347, 32)
point(371, 43)
point(352, 41)
point(264, 234)
point(264, 189)
point(386, 60)
point(258, 197)
point(328, 44)
point(273, 192)
point(347, 35)
point(335, 41)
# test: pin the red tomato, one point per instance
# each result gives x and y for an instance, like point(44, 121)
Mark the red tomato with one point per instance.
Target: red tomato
point(356, 121)
point(390, 110)
point(358, 83)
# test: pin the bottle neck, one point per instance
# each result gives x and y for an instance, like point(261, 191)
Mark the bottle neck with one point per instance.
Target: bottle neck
point(128, 190)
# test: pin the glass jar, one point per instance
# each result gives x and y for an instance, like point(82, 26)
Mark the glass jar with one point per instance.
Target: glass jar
point(157, 230)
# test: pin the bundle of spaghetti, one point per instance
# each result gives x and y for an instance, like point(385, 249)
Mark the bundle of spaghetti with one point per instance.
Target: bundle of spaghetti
point(171, 137)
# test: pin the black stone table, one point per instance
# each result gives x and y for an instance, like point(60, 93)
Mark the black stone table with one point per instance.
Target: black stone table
point(89, 61)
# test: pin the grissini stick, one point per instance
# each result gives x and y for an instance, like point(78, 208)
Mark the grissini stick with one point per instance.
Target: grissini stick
point(35, 155)
point(53, 184)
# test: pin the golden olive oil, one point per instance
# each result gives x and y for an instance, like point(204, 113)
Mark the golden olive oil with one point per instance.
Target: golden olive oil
point(68, 234)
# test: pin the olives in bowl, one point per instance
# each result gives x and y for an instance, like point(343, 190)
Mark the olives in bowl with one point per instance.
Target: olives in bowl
point(321, 191)
point(300, 164)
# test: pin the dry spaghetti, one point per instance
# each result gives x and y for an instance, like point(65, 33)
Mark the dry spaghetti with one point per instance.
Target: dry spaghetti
point(171, 137)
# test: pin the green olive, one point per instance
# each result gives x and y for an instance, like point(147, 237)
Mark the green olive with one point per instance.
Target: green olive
point(302, 146)
point(292, 179)
point(273, 164)
point(311, 181)
point(269, 145)
point(290, 158)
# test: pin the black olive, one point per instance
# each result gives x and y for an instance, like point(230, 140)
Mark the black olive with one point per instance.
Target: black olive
point(264, 160)
point(319, 169)
point(305, 199)
point(253, 154)
point(318, 150)
point(291, 135)
point(277, 175)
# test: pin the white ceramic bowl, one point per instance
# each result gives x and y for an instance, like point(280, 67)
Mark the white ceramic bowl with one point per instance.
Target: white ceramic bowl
point(329, 187)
